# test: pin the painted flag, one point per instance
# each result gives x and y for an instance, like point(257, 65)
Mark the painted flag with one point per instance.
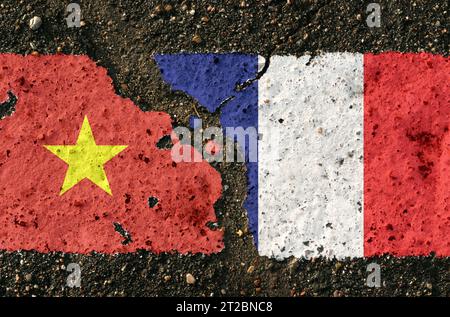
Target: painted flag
point(353, 149)
point(81, 170)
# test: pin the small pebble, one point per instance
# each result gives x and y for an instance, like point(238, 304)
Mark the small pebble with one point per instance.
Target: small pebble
point(250, 269)
point(337, 293)
point(196, 39)
point(293, 265)
point(190, 279)
point(124, 87)
point(35, 23)
point(168, 8)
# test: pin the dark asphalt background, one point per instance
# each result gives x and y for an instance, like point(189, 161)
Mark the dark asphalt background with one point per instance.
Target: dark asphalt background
point(122, 36)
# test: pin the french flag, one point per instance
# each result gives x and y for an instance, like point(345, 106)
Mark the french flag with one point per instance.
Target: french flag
point(353, 149)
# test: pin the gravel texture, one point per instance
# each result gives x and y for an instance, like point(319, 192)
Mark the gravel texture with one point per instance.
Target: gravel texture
point(123, 36)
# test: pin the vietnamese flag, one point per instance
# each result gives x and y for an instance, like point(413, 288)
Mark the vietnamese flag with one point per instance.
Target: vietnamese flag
point(80, 169)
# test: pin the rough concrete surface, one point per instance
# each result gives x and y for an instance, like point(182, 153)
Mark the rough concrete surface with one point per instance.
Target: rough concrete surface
point(311, 157)
point(311, 161)
point(47, 116)
point(406, 161)
point(123, 37)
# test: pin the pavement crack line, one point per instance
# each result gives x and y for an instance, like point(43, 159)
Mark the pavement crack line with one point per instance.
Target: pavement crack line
point(311, 14)
point(9, 106)
point(125, 234)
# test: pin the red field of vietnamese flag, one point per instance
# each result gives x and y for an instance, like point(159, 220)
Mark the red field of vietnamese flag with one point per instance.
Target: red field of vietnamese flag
point(55, 95)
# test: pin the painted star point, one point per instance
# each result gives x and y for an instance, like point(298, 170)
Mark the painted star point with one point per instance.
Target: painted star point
point(86, 159)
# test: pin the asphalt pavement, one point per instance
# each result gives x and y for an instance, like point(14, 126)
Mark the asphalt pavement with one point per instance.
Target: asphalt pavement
point(123, 37)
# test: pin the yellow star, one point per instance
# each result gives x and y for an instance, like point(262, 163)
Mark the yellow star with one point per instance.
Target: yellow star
point(85, 159)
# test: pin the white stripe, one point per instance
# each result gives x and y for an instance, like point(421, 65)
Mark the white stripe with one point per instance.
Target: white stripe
point(310, 164)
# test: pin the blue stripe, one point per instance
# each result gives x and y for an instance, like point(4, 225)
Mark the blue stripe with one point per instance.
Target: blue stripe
point(212, 79)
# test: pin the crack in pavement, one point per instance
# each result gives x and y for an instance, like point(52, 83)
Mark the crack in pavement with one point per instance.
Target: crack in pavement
point(312, 14)
point(9, 106)
point(125, 234)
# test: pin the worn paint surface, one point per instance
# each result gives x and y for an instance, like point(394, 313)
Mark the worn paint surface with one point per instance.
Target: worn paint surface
point(336, 129)
point(407, 154)
point(54, 93)
point(309, 175)
point(212, 79)
point(310, 158)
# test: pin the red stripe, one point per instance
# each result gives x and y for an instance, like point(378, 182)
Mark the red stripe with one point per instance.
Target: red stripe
point(407, 160)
